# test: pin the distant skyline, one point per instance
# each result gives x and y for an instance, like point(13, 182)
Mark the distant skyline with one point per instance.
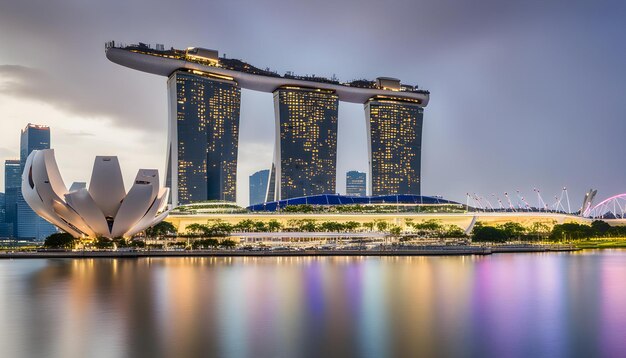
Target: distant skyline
point(523, 95)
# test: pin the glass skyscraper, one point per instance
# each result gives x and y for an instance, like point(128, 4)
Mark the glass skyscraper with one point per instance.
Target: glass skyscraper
point(258, 186)
point(356, 183)
point(2, 208)
point(305, 157)
point(394, 127)
point(12, 187)
point(203, 137)
point(29, 224)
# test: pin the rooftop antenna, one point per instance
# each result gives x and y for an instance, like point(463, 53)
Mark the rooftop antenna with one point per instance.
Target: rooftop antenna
point(488, 203)
point(557, 203)
point(540, 203)
point(520, 201)
point(501, 207)
point(477, 200)
point(506, 195)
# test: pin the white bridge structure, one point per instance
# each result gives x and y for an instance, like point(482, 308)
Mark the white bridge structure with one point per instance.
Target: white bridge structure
point(612, 209)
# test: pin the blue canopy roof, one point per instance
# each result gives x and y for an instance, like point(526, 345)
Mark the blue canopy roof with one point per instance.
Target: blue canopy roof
point(336, 199)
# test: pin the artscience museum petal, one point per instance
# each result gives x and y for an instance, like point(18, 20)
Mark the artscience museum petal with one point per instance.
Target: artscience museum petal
point(104, 209)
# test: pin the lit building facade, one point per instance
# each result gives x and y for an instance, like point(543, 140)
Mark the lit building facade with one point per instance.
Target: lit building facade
point(203, 137)
point(305, 156)
point(258, 186)
point(394, 128)
point(306, 124)
point(29, 224)
point(356, 183)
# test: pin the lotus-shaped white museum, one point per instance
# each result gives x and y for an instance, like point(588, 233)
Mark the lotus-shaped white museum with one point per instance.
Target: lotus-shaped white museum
point(104, 209)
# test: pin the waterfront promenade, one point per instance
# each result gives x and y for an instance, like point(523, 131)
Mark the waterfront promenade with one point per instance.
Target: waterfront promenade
point(423, 251)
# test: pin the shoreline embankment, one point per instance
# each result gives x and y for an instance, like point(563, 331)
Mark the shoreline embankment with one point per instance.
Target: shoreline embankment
point(428, 251)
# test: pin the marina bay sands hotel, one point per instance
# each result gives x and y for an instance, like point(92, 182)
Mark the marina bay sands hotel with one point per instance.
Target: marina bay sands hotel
point(204, 92)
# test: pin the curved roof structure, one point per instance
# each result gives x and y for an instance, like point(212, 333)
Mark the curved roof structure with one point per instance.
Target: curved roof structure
point(164, 63)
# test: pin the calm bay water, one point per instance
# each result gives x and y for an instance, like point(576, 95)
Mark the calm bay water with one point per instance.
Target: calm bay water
point(505, 305)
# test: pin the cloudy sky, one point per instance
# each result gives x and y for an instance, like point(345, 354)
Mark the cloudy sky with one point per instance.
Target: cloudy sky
point(524, 94)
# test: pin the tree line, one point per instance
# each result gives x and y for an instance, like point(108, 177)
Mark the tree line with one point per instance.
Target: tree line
point(511, 231)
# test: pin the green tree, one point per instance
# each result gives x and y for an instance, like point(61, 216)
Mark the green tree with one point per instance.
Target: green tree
point(539, 229)
point(482, 233)
point(454, 232)
point(395, 230)
point(572, 231)
point(330, 226)
point(218, 228)
point(307, 225)
point(513, 230)
point(120, 242)
point(273, 225)
point(161, 229)
point(137, 243)
point(103, 243)
point(351, 225)
point(260, 226)
point(246, 225)
point(210, 243)
point(381, 225)
point(228, 244)
point(195, 229)
point(60, 241)
point(600, 227)
point(431, 225)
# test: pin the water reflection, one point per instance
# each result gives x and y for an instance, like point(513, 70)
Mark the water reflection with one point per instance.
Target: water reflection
point(501, 305)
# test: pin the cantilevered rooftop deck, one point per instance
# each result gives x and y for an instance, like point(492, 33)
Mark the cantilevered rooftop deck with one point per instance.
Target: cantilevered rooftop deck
point(164, 62)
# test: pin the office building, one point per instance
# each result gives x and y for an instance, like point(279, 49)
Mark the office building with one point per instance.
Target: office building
point(12, 184)
point(356, 183)
point(2, 204)
point(203, 137)
point(258, 186)
point(305, 156)
point(29, 224)
point(394, 127)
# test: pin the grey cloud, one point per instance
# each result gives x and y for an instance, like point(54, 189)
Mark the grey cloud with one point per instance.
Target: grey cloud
point(36, 84)
point(81, 134)
point(7, 153)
